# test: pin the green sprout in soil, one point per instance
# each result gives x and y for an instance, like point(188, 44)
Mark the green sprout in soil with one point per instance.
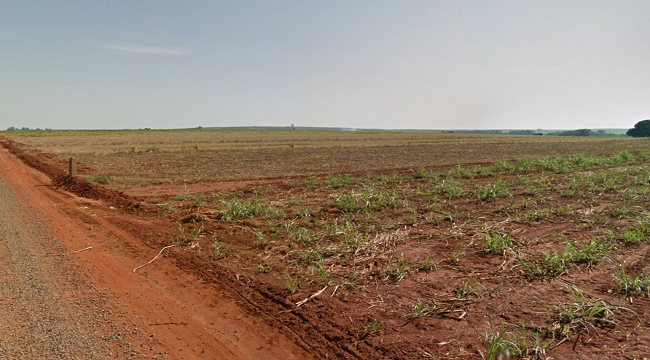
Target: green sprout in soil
point(580, 313)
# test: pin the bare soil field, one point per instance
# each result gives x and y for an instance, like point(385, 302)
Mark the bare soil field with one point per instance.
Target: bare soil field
point(393, 245)
point(129, 158)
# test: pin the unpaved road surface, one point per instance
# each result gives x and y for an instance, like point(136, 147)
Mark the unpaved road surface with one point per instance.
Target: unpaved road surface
point(68, 289)
point(44, 313)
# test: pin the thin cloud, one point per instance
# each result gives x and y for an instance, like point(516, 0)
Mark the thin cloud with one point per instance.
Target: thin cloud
point(145, 50)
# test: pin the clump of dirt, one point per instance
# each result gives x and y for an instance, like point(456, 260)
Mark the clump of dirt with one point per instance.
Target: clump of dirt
point(195, 218)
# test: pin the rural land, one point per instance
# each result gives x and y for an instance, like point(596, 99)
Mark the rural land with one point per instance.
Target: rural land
point(293, 244)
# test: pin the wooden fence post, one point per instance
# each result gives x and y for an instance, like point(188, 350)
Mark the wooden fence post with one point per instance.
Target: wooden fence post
point(73, 167)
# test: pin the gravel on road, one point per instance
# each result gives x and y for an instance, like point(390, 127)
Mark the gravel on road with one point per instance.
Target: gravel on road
point(47, 309)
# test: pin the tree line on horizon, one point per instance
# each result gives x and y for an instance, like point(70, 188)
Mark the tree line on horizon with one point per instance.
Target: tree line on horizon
point(640, 129)
point(539, 132)
point(12, 128)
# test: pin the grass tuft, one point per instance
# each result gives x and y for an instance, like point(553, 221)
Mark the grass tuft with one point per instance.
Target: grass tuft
point(579, 313)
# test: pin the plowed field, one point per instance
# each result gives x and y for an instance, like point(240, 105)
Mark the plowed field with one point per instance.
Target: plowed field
point(431, 246)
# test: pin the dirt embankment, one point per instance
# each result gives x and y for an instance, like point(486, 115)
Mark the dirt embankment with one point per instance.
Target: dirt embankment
point(47, 164)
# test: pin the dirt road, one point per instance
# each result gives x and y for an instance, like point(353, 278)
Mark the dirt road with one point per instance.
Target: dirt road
point(44, 314)
point(57, 302)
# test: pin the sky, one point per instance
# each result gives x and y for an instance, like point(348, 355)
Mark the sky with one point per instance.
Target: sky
point(407, 64)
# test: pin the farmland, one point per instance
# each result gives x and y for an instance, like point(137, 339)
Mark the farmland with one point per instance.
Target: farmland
point(400, 245)
point(142, 157)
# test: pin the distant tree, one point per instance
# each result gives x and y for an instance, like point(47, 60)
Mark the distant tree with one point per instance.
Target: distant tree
point(641, 129)
point(579, 132)
point(521, 132)
point(11, 128)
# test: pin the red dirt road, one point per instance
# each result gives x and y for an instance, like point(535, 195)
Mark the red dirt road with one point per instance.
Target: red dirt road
point(60, 303)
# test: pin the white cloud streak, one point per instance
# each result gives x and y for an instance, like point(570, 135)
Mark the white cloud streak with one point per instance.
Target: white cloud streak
point(145, 50)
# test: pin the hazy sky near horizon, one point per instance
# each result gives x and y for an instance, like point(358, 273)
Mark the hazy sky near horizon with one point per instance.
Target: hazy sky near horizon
point(456, 64)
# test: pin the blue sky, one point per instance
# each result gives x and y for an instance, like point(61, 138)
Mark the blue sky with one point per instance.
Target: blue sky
point(366, 64)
